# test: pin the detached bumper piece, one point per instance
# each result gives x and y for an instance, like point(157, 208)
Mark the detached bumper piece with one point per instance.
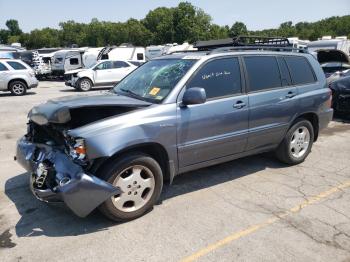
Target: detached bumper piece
point(55, 177)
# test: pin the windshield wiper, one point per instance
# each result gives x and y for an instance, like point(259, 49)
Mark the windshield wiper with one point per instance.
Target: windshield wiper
point(132, 94)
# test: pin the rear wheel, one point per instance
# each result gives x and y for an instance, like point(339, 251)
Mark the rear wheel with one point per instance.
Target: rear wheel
point(84, 84)
point(297, 143)
point(140, 178)
point(18, 88)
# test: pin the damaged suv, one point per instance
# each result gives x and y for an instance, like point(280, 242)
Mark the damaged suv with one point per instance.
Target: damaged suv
point(173, 114)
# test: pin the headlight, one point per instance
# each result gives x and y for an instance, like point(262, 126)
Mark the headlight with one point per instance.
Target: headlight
point(77, 149)
point(31, 73)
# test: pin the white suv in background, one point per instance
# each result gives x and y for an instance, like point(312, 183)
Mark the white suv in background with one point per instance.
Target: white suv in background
point(16, 76)
point(104, 73)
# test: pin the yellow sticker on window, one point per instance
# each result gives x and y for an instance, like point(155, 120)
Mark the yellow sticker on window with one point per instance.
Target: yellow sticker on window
point(154, 91)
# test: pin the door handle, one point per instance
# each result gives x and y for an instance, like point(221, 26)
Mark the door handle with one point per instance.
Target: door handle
point(239, 105)
point(290, 94)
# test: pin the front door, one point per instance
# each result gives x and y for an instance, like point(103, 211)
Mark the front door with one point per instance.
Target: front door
point(219, 127)
point(103, 73)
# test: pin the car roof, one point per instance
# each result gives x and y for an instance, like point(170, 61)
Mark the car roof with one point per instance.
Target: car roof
point(11, 60)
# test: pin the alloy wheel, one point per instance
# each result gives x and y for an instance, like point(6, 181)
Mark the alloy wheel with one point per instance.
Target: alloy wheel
point(137, 183)
point(300, 142)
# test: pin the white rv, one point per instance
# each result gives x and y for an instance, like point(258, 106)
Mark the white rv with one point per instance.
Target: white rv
point(298, 43)
point(154, 51)
point(66, 60)
point(90, 56)
point(124, 52)
point(326, 42)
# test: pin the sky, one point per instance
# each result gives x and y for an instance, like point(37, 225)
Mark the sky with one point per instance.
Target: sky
point(256, 14)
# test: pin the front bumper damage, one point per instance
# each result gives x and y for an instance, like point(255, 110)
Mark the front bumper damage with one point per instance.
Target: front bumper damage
point(55, 177)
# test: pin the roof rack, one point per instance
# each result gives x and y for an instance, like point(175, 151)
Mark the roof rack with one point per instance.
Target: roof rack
point(241, 43)
point(261, 48)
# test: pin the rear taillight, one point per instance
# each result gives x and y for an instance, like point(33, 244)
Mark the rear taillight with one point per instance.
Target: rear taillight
point(329, 101)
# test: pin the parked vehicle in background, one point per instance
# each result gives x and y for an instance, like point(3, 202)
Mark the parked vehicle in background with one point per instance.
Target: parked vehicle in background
point(332, 60)
point(340, 85)
point(174, 114)
point(340, 43)
point(90, 56)
point(298, 43)
point(66, 60)
point(123, 52)
point(104, 73)
point(16, 77)
point(154, 51)
point(10, 51)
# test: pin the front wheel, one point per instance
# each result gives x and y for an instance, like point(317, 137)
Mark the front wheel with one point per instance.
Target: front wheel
point(84, 84)
point(140, 179)
point(297, 143)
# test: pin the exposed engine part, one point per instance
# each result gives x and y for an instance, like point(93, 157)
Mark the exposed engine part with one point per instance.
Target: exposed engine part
point(41, 172)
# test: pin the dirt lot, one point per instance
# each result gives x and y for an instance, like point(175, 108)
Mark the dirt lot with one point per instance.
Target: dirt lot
point(253, 209)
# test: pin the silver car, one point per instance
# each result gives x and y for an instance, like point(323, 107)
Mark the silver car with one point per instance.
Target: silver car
point(16, 77)
point(173, 114)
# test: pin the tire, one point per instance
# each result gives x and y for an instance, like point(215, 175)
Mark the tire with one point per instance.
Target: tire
point(145, 189)
point(18, 88)
point(84, 84)
point(297, 143)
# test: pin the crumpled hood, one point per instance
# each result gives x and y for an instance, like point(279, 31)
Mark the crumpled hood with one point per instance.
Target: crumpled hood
point(58, 110)
point(332, 55)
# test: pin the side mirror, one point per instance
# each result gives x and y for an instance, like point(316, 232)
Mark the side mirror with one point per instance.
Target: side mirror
point(193, 96)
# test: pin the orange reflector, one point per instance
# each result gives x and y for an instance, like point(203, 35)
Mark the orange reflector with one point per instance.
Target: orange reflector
point(80, 150)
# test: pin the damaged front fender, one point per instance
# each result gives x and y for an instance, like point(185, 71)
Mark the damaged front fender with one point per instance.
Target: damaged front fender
point(55, 177)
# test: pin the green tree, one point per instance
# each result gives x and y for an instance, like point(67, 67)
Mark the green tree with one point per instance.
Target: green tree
point(238, 28)
point(13, 27)
point(160, 22)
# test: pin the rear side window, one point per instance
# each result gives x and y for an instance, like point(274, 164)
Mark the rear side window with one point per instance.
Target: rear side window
point(139, 56)
point(300, 70)
point(221, 77)
point(16, 65)
point(74, 61)
point(119, 64)
point(263, 72)
point(285, 76)
point(2, 67)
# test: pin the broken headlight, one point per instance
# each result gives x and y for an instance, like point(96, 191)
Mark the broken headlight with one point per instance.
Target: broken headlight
point(77, 149)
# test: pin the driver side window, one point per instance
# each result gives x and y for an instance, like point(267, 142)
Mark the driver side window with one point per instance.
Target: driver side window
point(220, 77)
point(104, 65)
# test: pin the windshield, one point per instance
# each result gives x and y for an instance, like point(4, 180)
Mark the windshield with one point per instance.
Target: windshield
point(92, 65)
point(154, 80)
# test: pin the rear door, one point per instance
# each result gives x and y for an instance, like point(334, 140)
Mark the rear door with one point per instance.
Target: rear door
point(3, 76)
point(119, 70)
point(272, 99)
point(219, 127)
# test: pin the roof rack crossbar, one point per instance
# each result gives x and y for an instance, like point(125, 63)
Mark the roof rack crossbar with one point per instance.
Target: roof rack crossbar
point(261, 48)
point(243, 41)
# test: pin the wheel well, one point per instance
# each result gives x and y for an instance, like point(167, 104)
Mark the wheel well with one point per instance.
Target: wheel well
point(154, 150)
point(86, 77)
point(16, 79)
point(313, 118)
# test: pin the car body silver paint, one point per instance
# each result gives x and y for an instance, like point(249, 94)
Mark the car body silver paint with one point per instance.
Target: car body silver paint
point(197, 136)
